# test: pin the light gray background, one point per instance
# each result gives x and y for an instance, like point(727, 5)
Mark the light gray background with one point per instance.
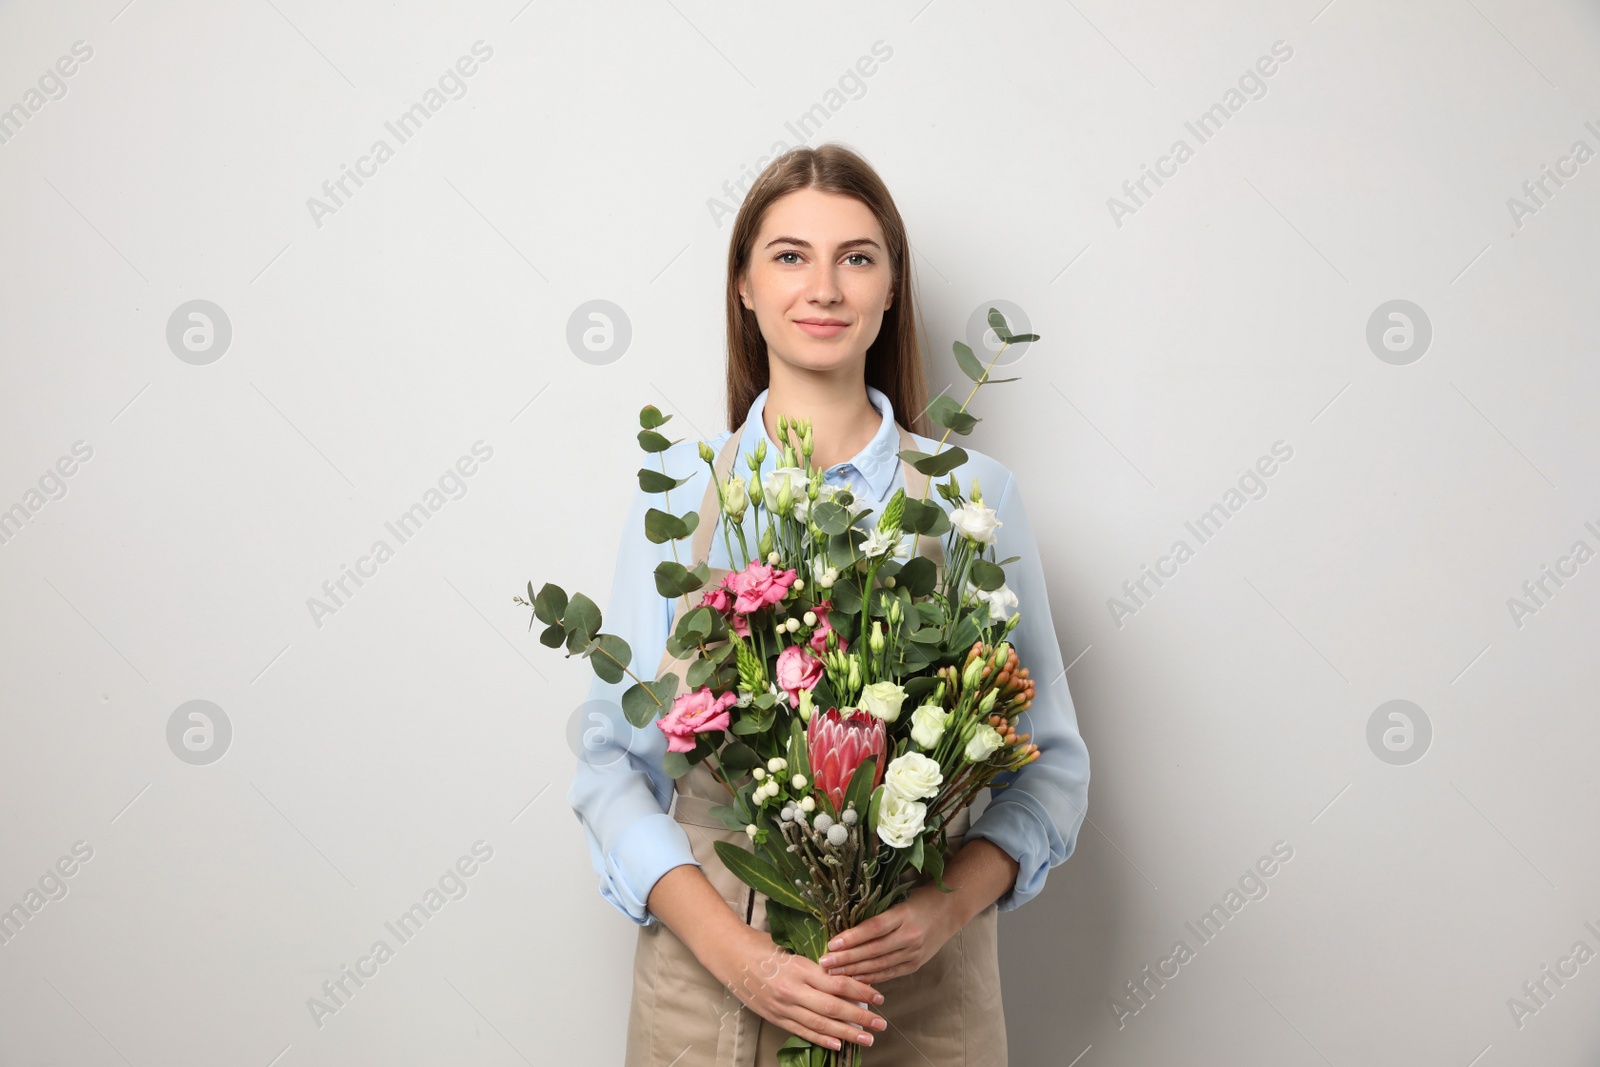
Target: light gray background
point(1229, 311)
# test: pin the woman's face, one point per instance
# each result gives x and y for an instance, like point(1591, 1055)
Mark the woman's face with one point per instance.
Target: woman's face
point(819, 280)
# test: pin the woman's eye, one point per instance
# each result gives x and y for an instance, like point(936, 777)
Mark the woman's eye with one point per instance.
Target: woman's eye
point(860, 255)
point(782, 254)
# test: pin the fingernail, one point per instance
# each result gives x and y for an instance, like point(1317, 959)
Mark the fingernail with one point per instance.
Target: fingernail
point(865, 1038)
point(826, 961)
point(836, 942)
point(877, 998)
point(880, 1024)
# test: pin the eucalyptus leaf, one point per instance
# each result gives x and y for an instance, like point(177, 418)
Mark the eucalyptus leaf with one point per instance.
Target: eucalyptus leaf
point(608, 656)
point(652, 481)
point(550, 604)
point(949, 413)
point(581, 617)
point(651, 441)
point(650, 417)
point(986, 576)
point(643, 701)
point(968, 362)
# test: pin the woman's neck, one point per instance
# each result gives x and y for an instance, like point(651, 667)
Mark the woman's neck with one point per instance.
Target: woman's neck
point(843, 419)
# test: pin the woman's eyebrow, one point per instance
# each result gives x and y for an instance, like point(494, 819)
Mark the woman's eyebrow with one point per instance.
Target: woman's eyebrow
point(852, 243)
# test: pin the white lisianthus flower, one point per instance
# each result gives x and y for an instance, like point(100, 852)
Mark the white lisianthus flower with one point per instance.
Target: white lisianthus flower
point(900, 820)
point(882, 700)
point(985, 739)
point(735, 498)
point(976, 521)
point(794, 478)
point(1002, 602)
point(914, 776)
point(927, 725)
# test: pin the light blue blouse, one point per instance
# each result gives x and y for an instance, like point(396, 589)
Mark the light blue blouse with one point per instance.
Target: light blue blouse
point(622, 795)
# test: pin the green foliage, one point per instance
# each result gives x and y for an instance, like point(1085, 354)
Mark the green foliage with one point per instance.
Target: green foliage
point(662, 526)
point(644, 700)
point(759, 875)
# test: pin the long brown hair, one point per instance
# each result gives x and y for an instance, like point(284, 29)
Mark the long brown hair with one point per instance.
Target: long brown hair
point(894, 360)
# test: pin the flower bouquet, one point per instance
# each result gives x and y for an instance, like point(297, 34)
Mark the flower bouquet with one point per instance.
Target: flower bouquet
point(851, 693)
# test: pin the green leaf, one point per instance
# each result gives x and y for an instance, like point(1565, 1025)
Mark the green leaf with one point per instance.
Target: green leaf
point(1019, 339)
point(799, 931)
point(673, 579)
point(739, 756)
point(969, 362)
point(643, 701)
point(550, 603)
point(997, 323)
point(949, 413)
point(799, 757)
point(650, 417)
point(758, 874)
point(859, 791)
point(731, 817)
point(663, 526)
point(553, 636)
point(657, 482)
point(581, 617)
point(676, 764)
point(700, 672)
point(933, 867)
point(830, 517)
point(651, 441)
point(934, 465)
point(873, 807)
point(986, 576)
point(608, 656)
point(917, 577)
point(915, 858)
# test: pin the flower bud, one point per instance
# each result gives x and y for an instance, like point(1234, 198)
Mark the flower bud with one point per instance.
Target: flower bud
point(805, 705)
point(735, 498)
point(876, 641)
point(706, 453)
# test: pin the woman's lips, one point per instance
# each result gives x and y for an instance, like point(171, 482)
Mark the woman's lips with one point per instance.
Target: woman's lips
point(816, 329)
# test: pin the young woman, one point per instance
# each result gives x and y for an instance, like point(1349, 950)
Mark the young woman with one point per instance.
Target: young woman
point(820, 325)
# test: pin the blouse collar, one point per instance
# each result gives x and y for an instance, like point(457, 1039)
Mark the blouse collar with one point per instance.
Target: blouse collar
point(875, 464)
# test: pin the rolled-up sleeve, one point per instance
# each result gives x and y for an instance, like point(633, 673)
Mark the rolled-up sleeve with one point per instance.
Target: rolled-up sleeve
point(1035, 819)
point(620, 792)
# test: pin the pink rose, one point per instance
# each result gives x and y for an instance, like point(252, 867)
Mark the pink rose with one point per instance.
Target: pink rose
point(717, 598)
point(694, 713)
point(797, 670)
point(759, 585)
point(819, 636)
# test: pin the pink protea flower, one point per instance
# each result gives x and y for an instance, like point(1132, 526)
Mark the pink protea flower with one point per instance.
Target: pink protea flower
point(695, 713)
point(797, 669)
point(759, 585)
point(819, 636)
point(836, 745)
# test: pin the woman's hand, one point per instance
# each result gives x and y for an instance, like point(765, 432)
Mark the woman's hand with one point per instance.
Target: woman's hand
point(795, 993)
point(897, 940)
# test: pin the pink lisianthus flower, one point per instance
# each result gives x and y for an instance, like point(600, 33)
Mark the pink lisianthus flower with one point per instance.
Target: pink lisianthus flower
point(695, 713)
point(819, 636)
point(797, 669)
point(720, 599)
point(759, 585)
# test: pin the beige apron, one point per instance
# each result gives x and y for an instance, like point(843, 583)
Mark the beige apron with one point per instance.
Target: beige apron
point(947, 1013)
